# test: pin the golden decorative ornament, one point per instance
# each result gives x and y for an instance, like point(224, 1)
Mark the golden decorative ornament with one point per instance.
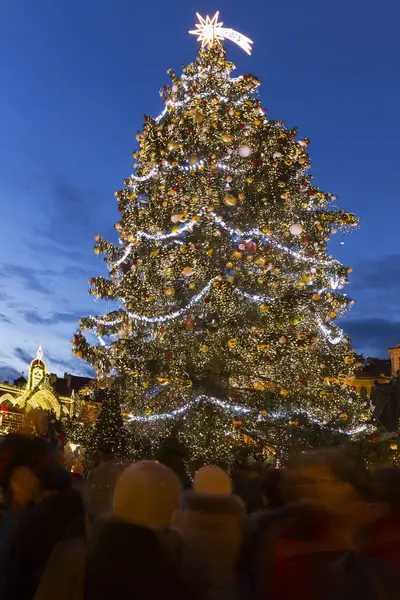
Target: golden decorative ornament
point(203, 348)
point(393, 446)
point(226, 138)
point(193, 159)
point(263, 412)
point(282, 340)
point(264, 308)
point(192, 286)
point(316, 297)
point(283, 392)
point(149, 299)
point(344, 416)
point(236, 254)
point(348, 360)
point(163, 380)
point(187, 271)
point(249, 180)
point(148, 411)
point(241, 196)
point(230, 200)
point(188, 383)
point(294, 422)
point(229, 265)
point(232, 343)
point(169, 291)
point(165, 204)
point(264, 346)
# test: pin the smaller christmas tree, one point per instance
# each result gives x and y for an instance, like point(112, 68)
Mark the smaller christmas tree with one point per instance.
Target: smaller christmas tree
point(109, 430)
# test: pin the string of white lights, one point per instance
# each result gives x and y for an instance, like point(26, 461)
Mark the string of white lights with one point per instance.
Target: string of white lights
point(325, 331)
point(240, 410)
point(179, 103)
point(248, 235)
point(161, 318)
point(168, 317)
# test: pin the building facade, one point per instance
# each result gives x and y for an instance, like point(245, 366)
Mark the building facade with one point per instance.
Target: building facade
point(62, 396)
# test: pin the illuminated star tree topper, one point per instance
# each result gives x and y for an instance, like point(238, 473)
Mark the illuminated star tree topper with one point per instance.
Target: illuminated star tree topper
point(209, 31)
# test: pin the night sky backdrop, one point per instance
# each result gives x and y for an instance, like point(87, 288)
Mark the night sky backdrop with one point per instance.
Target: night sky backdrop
point(77, 77)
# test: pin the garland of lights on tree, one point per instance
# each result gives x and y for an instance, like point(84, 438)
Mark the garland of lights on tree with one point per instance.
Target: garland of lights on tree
point(226, 299)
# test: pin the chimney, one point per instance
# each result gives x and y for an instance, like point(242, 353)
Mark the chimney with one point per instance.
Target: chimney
point(53, 377)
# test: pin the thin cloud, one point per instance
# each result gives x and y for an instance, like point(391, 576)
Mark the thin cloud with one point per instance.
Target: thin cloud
point(33, 317)
point(22, 355)
point(4, 318)
point(32, 279)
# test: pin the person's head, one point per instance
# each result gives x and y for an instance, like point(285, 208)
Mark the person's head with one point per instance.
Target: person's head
point(99, 489)
point(271, 488)
point(147, 494)
point(385, 486)
point(212, 480)
point(29, 469)
point(328, 480)
point(104, 454)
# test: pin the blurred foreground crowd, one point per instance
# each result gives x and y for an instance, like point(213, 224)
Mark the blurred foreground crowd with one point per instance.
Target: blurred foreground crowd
point(327, 529)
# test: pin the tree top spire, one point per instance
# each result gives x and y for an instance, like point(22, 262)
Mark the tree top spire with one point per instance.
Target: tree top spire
point(210, 31)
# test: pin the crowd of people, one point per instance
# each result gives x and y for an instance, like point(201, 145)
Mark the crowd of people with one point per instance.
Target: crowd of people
point(328, 528)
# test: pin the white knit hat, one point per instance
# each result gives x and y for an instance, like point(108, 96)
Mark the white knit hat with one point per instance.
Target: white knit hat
point(147, 494)
point(212, 480)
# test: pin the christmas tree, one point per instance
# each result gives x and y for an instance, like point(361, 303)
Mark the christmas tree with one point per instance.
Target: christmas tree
point(225, 325)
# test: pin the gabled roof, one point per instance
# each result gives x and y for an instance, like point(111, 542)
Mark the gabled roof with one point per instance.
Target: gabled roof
point(374, 368)
point(64, 386)
point(21, 381)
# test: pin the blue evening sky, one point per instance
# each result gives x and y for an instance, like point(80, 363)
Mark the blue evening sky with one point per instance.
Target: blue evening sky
point(77, 77)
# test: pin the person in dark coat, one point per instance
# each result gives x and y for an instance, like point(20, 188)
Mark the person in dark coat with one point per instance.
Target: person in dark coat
point(127, 561)
point(320, 527)
point(382, 539)
point(258, 526)
point(211, 522)
point(56, 506)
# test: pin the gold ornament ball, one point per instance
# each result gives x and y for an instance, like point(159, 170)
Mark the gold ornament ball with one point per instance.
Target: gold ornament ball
point(230, 201)
point(232, 343)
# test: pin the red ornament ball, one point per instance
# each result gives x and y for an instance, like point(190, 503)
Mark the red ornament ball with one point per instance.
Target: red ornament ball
point(302, 379)
point(266, 358)
point(168, 355)
point(189, 323)
point(206, 299)
point(251, 247)
point(162, 329)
